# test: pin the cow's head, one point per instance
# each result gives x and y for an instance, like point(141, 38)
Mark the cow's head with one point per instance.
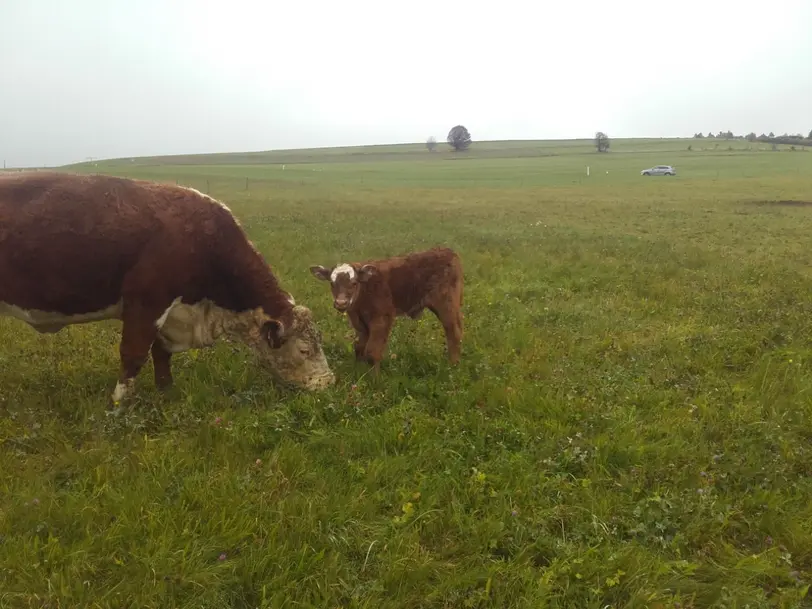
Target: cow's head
point(345, 282)
point(293, 354)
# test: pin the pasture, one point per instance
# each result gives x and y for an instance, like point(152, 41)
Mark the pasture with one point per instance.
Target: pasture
point(629, 426)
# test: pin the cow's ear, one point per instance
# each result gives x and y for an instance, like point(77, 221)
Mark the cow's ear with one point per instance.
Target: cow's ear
point(366, 272)
point(319, 272)
point(274, 331)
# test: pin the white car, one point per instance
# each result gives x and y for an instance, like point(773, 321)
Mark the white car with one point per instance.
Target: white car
point(659, 170)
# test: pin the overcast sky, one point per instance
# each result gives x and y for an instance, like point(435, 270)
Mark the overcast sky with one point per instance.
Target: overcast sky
point(113, 78)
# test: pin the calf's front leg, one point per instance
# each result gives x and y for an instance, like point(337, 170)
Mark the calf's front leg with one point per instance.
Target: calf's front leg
point(361, 335)
point(379, 330)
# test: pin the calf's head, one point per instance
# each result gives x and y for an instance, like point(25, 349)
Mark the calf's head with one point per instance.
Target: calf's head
point(345, 282)
point(293, 354)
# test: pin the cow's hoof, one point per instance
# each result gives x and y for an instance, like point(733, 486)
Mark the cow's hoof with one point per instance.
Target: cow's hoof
point(113, 410)
point(163, 385)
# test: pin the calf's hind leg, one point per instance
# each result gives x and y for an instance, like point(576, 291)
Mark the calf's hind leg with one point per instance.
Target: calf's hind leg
point(451, 318)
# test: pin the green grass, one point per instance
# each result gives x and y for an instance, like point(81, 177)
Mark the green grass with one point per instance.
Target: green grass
point(630, 424)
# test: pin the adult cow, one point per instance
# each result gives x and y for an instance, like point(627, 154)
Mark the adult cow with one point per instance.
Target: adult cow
point(171, 263)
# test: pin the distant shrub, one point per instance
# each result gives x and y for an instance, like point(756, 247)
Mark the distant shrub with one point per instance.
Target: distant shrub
point(459, 138)
point(601, 142)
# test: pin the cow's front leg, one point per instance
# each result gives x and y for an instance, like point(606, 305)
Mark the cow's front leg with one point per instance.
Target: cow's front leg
point(138, 333)
point(379, 330)
point(161, 364)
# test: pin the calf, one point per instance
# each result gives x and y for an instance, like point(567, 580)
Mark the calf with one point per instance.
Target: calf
point(375, 292)
point(172, 264)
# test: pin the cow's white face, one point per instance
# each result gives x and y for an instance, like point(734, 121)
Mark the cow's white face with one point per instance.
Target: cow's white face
point(299, 360)
point(293, 355)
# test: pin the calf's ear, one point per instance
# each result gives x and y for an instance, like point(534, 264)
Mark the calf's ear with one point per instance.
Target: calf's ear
point(366, 272)
point(319, 272)
point(274, 333)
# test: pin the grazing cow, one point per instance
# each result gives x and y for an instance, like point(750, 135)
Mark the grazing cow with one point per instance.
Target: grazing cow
point(375, 292)
point(171, 263)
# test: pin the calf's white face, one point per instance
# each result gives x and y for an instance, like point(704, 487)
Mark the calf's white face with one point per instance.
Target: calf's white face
point(345, 282)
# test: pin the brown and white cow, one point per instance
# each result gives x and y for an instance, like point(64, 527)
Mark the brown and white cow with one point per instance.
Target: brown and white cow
point(373, 293)
point(173, 264)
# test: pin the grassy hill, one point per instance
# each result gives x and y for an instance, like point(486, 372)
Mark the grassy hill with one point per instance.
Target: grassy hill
point(418, 152)
point(629, 425)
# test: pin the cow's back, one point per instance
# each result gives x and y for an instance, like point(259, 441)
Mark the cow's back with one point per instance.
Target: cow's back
point(66, 241)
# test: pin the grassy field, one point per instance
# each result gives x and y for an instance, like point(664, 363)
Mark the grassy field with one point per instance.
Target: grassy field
point(630, 425)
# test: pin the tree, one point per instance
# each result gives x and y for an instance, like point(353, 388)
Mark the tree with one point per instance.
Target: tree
point(810, 135)
point(771, 134)
point(459, 138)
point(431, 144)
point(751, 137)
point(602, 142)
point(699, 135)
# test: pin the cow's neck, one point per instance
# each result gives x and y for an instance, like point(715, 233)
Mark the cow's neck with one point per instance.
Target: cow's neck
point(255, 286)
point(200, 325)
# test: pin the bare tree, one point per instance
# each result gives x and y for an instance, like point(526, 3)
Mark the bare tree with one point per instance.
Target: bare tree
point(431, 144)
point(602, 141)
point(459, 138)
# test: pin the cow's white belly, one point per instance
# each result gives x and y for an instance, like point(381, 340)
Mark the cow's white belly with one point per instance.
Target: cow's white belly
point(50, 321)
point(183, 327)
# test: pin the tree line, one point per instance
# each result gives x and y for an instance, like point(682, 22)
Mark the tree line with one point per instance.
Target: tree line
point(459, 138)
point(797, 139)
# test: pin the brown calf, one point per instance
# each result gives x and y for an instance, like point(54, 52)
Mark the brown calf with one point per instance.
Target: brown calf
point(375, 292)
point(172, 264)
